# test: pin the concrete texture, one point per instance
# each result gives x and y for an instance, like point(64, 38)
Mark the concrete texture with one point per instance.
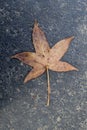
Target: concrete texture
point(22, 106)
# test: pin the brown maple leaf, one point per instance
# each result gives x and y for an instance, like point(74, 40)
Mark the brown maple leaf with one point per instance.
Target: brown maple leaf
point(44, 57)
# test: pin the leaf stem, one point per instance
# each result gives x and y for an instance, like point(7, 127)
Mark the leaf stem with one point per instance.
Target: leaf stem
point(48, 85)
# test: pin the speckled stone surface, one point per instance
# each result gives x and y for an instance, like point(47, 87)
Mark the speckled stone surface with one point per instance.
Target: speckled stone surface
point(22, 106)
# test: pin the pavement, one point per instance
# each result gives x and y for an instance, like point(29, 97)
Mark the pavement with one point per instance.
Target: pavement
point(23, 106)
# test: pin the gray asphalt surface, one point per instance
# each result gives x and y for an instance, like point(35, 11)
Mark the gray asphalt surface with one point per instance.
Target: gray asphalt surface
point(22, 106)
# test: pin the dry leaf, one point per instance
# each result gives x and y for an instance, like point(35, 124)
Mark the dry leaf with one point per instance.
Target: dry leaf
point(44, 57)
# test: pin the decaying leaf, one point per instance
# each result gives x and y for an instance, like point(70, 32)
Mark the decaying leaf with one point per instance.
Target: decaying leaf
point(44, 57)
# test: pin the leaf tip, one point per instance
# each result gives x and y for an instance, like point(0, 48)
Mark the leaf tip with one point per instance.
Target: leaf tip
point(76, 69)
point(36, 22)
point(12, 56)
point(25, 80)
point(70, 38)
